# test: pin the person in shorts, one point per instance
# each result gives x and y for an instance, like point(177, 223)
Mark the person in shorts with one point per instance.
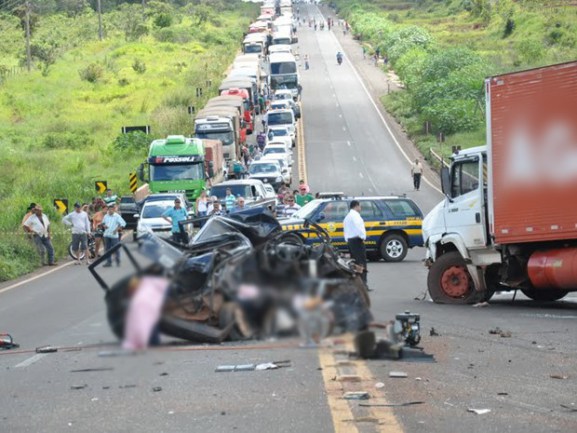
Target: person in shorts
point(80, 224)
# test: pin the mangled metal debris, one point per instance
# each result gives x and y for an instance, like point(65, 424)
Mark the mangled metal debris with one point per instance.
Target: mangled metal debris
point(241, 277)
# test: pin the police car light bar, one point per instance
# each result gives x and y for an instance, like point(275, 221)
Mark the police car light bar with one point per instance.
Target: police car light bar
point(333, 195)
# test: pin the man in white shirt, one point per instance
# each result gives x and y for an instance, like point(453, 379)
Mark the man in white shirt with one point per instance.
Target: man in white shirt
point(39, 225)
point(355, 235)
point(80, 224)
point(416, 173)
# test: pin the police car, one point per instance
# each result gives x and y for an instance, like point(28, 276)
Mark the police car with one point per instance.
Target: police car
point(393, 224)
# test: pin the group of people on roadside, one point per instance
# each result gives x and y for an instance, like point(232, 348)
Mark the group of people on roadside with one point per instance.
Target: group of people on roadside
point(98, 218)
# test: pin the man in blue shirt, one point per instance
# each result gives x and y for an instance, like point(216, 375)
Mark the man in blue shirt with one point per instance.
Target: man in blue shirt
point(229, 200)
point(113, 225)
point(174, 215)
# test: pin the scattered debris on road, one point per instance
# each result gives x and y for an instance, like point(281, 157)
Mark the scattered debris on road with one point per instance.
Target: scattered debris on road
point(500, 332)
point(157, 389)
point(75, 387)
point(46, 349)
point(480, 305)
point(274, 365)
point(571, 407)
point(348, 378)
point(559, 376)
point(379, 385)
point(7, 342)
point(433, 333)
point(356, 395)
point(479, 411)
point(398, 374)
point(408, 403)
point(88, 370)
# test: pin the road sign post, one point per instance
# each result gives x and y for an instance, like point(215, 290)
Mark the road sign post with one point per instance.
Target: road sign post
point(100, 186)
point(132, 182)
point(61, 205)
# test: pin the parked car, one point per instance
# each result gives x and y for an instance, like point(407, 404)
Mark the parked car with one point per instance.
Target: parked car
point(150, 218)
point(284, 117)
point(267, 171)
point(393, 224)
point(280, 151)
point(283, 104)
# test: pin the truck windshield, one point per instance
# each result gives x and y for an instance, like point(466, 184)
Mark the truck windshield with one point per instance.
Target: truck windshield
point(283, 82)
point(281, 68)
point(251, 49)
point(225, 136)
point(193, 171)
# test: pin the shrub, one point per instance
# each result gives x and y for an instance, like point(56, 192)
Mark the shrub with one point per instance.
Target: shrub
point(67, 139)
point(92, 73)
point(133, 141)
point(163, 20)
point(509, 27)
point(139, 66)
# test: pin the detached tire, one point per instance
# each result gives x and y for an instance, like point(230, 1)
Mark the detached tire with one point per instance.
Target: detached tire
point(547, 295)
point(393, 248)
point(449, 281)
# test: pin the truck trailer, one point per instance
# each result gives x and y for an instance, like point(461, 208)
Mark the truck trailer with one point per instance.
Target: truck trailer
point(509, 218)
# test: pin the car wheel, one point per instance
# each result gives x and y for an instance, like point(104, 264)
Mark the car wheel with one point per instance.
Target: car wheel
point(393, 248)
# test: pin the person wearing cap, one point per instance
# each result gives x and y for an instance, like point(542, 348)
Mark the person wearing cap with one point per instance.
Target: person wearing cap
point(302, 183)
point(113, 224)
point(303, 197)
point(39, 225)
point(175, 215)
point(80, 224)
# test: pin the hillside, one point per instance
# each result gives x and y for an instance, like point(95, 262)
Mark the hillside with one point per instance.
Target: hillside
point(443, 49)
point(60, 123)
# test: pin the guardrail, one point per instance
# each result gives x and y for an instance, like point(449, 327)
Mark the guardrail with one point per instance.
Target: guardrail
point(436, 159)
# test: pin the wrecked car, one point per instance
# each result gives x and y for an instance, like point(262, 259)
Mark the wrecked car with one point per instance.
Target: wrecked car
point(241, 277)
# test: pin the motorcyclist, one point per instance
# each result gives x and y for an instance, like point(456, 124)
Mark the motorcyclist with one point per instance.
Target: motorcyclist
point(339, 57)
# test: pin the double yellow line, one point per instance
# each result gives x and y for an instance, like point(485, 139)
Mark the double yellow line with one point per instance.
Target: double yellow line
point(302, 163)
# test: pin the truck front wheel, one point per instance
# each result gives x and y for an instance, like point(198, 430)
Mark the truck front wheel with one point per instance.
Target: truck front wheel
point(449, 281)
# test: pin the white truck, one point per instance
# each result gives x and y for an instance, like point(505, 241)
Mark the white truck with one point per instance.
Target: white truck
point(509, 218)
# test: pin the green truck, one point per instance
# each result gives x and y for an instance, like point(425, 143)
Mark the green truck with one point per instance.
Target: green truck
point(180, 164)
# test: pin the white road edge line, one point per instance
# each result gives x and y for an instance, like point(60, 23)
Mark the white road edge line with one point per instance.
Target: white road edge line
point(30, 360)
point(361, 174)
point(379, 113)
point(29, 280)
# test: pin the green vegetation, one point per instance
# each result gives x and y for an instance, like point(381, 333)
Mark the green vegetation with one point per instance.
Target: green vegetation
point(60, 123)
point(443, 49)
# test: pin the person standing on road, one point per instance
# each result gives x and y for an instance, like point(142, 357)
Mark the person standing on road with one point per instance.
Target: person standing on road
point(113, 224)
point(355, 235)
point(97, 218)
point(202, 205)
point(416, 173)
point(80, 224)
point(290, 207)
point(229, 199)
point(306, 62)
point(39, 225)
point(110, 197)
point(175, 215)
point(303, 197)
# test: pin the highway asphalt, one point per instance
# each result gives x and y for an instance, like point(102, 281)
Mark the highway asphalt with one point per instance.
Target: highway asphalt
point(524, 379)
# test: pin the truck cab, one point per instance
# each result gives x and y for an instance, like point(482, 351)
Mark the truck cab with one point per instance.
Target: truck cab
point(175, 164)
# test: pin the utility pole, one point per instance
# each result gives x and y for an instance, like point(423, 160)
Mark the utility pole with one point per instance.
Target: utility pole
point(99, 20)
point(27, 22)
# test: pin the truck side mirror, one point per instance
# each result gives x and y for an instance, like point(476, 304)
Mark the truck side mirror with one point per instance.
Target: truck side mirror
point(446, 181)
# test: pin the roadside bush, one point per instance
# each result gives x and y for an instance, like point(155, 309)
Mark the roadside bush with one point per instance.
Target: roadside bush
point(136, 141)
point(163, 20)
point(174, 35)
point(139, 66)
point(450, 116)
point(404, 39)
point(67, 139)
point(530, 51)
point(92, 73)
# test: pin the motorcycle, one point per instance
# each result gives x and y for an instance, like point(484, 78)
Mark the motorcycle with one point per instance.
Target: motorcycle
point(91, 245)
point(241, 277)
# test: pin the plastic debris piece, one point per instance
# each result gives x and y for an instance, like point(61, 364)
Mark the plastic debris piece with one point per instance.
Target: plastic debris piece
point(157, 389)
point(502, 393)
point(408, 403)
point(505, 334)
point(398, 374)
point(356, 395)
point(558, 376)
point(571, 407)
point(348, 378)
point(433, 333)
point(379, 385)
point(78, 386)
point(481, 304)
point(87, 370)
point(46, 349)
point(266, 366)
point(94, 399)
point(479, 411)
point(225, 368)
point(495, 331)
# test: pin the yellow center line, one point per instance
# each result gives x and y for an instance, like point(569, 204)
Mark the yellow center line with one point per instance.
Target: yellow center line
point(341, 412)
point(302, 164)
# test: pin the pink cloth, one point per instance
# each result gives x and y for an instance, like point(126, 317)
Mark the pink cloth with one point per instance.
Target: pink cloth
point(144, 312)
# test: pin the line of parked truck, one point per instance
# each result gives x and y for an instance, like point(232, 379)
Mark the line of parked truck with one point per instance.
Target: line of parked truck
point(194, 164)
